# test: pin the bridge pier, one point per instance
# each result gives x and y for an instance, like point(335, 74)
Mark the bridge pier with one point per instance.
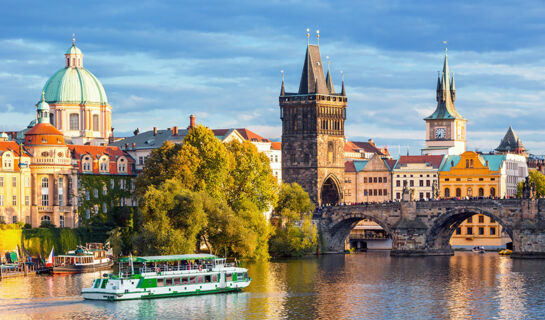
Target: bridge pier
point(529, 241)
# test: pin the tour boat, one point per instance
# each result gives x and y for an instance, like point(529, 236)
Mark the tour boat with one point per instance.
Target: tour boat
point(92, 257)
point(168, 276)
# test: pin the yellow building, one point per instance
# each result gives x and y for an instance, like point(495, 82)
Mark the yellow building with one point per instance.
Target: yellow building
point(14, 182)
point(472, 175)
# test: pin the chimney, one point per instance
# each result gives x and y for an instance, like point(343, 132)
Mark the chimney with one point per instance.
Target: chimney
point(175, 130)
point(134, 145)
point(154, 131)
point(191, 121)
point(371, 142)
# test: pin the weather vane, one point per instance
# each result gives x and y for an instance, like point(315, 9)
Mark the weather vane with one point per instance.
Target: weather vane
point(446, 49)
point(73, 39)
point(308, 36)
point(318, 36)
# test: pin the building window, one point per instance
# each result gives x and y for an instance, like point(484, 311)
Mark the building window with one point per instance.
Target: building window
point(74, 121)
point(27, 201)
point(95, 122)
point(14, 201)
point(14, 219)
point(427, 195)
point(481, 231)
point(95, 193)
point(385, 192)
point(447, 193)
point(421, 183)
point(379, 179)
point(104, 208)
point(421, 195)
point(27, 182)
point(61, 222)
point(481, 192)
point(411, 183)
point(1, 181)
point(45, 218)
point(379, 192)
point(398, 183)
point(14, 182)
point(122, 166)
point(469, 230)
point(492, 192)
point(492, 231)
point(469, 192)
point(481, 219)
point(470, 220)
point(1, 200)
point(385, 179)
point(45, 199)
point(365, 192)
point(141, 160)
point(398, 195)
point(88, 213)
point(458, 230)
point(45, 183)
point(458, 192)
point(428, 183)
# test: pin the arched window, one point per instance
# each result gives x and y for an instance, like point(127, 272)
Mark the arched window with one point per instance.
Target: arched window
point(492, 192)
point(458, 192)
point(45, 183)
point(469, 192)
point(122, 165)
point(471, 163)
point(45, 218)
point(467, 163)
point(74, 121)
point(45, 191)
point(447, 193)
point(104, 164)
point(7, 161)
point(95, 122)
point(481, 192)
point(87, 164)
point(61, 222)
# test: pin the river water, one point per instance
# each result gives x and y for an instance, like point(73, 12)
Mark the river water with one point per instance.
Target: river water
point(369, 285)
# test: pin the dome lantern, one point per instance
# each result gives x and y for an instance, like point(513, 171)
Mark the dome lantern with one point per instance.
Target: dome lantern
point(43, 110)
point(74, 57)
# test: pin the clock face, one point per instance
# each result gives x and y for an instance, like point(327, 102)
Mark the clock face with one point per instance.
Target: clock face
point(440, 133)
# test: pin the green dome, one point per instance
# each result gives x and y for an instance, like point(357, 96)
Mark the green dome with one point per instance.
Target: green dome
point(73, 50)
point(74, 85)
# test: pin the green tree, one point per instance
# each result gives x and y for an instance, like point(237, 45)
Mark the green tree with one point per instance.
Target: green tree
point(536, 177)
point(295, 234)
point(173, 217)
point(252, 177)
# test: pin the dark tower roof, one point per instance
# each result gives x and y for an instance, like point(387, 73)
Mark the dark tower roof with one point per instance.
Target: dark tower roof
point(328, 81)
point(446, 95)
point(312, 78)
point(511, 143)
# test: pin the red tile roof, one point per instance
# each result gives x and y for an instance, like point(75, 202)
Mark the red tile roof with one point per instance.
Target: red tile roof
point(78, 151)
point(276, 145)
point(349, 166)
point(358, 146)
point(11, 146)
point(391, 163)
point(251, 136)
point(44, 134)
point(434, 160)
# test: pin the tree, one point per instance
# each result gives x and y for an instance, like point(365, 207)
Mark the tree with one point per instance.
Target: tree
point(173, 217)
point(252, 178)
point(295, 234)
point(538, 179)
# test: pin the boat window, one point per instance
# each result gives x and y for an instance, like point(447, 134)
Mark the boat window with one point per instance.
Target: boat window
point(168, 281)
point(228, 277)
point(207, 279)
point(97, 283)
point(176, 281)
point(192, 280)
point(240, 276)
point(214, 278)
point(160, 282)
point(185, 280)
point(200, 279)
point(104, 282)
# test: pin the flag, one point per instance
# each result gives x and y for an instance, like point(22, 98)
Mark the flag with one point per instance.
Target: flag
point(49, 262)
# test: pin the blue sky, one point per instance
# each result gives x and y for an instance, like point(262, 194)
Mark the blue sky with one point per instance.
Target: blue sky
point(160, 61)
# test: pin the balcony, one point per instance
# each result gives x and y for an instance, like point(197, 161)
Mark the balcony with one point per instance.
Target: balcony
point(45, 208)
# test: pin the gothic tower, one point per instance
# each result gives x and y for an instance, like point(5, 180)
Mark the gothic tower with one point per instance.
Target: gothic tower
point(445, 128)
point(313, 132)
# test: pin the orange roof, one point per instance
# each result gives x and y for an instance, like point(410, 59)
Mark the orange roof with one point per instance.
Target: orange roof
point(276, 145)
point(10, 146)
point(79, 150)
point(251, 136)
point(434, 160)
point(349, 166)
point(45, 134)
point(358, 146)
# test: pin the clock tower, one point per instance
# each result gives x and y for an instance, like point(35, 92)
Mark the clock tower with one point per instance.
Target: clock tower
point(445, 128)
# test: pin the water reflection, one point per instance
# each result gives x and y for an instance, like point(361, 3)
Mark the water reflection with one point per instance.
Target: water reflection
point(368, 285)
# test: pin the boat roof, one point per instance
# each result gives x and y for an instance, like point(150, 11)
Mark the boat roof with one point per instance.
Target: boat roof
point(175, 257)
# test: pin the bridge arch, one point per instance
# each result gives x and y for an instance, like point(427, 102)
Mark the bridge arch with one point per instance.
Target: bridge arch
point(330, 190)
point(340, 228)
point(441, 230)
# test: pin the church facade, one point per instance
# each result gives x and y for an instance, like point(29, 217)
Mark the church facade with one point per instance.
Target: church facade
point(313, 132)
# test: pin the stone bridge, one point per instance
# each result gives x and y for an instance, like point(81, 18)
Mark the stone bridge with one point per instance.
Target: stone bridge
point(425, 228)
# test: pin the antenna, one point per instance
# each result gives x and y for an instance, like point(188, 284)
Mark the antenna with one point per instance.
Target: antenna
point(308, 36)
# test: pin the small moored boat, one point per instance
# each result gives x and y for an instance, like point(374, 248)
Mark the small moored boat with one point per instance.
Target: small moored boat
point(93, 257)
point(168, 276)
point(478, 249)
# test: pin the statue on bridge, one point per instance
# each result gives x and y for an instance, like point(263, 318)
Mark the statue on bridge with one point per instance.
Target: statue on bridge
point(528, 189)
point(408, 194)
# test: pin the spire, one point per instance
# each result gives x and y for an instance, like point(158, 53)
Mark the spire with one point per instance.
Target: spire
point(312, 77)
point(511, 143)
point(446, 73)
point(343, 92)
point(452, 88)
point(74, 57)
point(73, 39)
point(328, 80)
point(282, 90)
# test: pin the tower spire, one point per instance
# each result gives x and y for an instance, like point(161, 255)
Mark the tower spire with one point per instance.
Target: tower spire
point(43, 110)
point(73, 39)
point(282, 90)
point(343, 92)
point(328, 80)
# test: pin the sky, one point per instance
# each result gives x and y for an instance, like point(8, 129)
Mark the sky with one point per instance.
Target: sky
point(160, 61)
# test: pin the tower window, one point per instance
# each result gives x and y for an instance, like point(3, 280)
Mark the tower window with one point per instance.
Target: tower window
point(95, 122)
point(74, 121)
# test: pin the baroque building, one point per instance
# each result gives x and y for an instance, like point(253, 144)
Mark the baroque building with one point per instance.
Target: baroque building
point(78, 104)
point(445, 128)
point(313, 132)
